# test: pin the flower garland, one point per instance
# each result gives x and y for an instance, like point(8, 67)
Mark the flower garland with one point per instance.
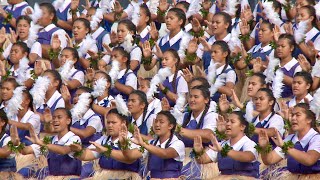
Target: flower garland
point(225, 150)
point(46, 141)
point(261, 150)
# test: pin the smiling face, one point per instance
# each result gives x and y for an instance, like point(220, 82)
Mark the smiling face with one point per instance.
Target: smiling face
point(113, 124)
point(60, 120)
point(299, 120)
point(161, 125)
point(197, 102)
point(234, 126)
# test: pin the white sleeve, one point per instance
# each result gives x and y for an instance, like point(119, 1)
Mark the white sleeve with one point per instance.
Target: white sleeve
point(62, 37)
point(79, 76)
point(184, 45)
point(73, 139)
point(6, 140)
point(34, 120)
point(278, 150)
point(315, 144)
point(36, 150)
point(93, 49)
point(199, 51)
point(182, 86)
point(60, 104)
point(69, 15)
point(6, 51)
point(298, 69)
point(106, 39)
point(213, 155)
point(96, 123)
point(277, 122)
point(36, 49)
point(213, 8)
point(131, 81)
point(180, 149)
point(95, 153)
point(253, 33)
point(136, 54)
point(231, 77)
point(210, 121)
point(249, 146)
point(317, 43)
point(129, 10)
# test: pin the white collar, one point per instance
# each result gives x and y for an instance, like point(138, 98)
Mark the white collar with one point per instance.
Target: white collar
point(109, 98)
point(122, 73)
point(225, 39)
point(219, 70)
point(64, 5)
point(172, 75)
point(264, 49)
point(290, 64)
point(238, 145)
point(85, 117)
point(25, 118)
point(173, 40)
point(306, 138)
point(188, 27)
point(310, 34)
point(234, 20)
point(293, 101)
point(139, 120)
point(198, 118)
point(49, 27)
point(52, 99)
point(97, 32)
point(264, 120)
point(17, 5)
point(145, 32)
point(163, 145)
point(115, 142)
point(63, 140)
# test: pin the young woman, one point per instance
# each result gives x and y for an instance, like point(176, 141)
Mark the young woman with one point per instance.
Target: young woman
point(267, 119)
point(143, 28)
point(127, 80)
point(301, 85)
point(22, 34)
point(174, 84)
point(7, 87)
point(303, 156)
point(50, 29)
point(154, 105)
point(61, 161)
point(138, 107)
point(165, 153)
point(113, 162)
point(220, 55)
point(221, 28)
point(241, 161)
point(81, 31)
point(261, 50)
point(288, 64)
point(176, 39)
point(20, 69)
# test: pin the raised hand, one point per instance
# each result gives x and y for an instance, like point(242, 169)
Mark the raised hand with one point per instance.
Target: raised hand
point(187, 75)
point(55, 43)
point(221, 124)
point(108, 49)
point(47, 116)
point(87, 6)
point(165, 104)
point(75, 147)
point(276, 33)
point(277, 139)
point(235, 99)
point(153, 31)
point(284, 110)
point(158, 51)
point(201, 72)
point(3, 36)
point(13, 36)
point(14, 135)
point(2, 68)
point(38, 68)
point(69, 41)
point(28, 11)
point(74, 4)
point(34, 138)
point(288, 28)
point(304, 63)
point(215, 144)
point(99, 147)
point(197, 144)
point(246, 13)
point(123, 133)
point(163, 5)
point(114, 38)
point(244, 27)
point(192, 46)
point(205, 44)
point(65, 93)
point(90, 74)
point(117, 7)
point(137, 137)
point(196, 26)
point(258, 65)
point(263, 139)
point(224, 103)
point(146, 49)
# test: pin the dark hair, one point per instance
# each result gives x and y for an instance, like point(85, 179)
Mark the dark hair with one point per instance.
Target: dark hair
point(105, 75)
point(204, 81)
point(204, 91)
point(56, 75)
point(270, 96)
point(175, 55)
point(243, 121)
point(23, 46)
point(68, 113)
point(121, 116)
point(85, 22)
point(262, 78)
point(172, 120)
point(124, 53)
point(143, 99)
point(290, 39)
point(180, 14)
point(310, 115)
point(73, 51)
point(306, 77)
point(185, 4)
point(227, 19)
point(87, 90)
point(225, 48)
point(270, 25)
point(29, 96)
point(276, 5)
point(146, 10)
point(24, 17)
point(311, 12)
point(50, 8)
point(3, 117)
point(311, 2)
point(11, 80)
point(129, 24)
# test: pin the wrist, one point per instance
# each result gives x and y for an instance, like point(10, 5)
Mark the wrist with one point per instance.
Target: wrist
point(165, 90)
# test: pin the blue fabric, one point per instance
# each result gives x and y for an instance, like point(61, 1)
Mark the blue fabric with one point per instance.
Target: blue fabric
point(114, 91)
point(53, 107)
point(45, 37)
point(16, 13)
point(168, 84)
point(287, 90)
point(99, 40)
point(217, 95)
point(87, 170)
point(7, 164)
point(63, 16)
point(166, 46)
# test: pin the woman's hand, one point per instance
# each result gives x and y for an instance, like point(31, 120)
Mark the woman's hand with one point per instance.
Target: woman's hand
point(163, 5)
point(258, 65)
point(38, 68)
point(246, 13)
point(99, 147)
point(3, 71)
point(215, 144)
point(235, 100)
point(65, 93)
point(75, 147)
point(223, 103)
point(153, 31)
point(34, 137)
point(196, 26)
point(47, 116)
point(158, 51)
point(117, 7)
point(304, 63)
point(123, 134)
point(187, 75)
point(197, 144)
point(137, 137)
point(192, 46)
point(146, 49)
point(55, 43)
point(14, 135)
point(276, 33)
point(13, 36)
point(277, 139)
point(74, 5)
point(263, 139)
point(205, 44)
point(221, 124)
point(244, 27)
point(90, 74)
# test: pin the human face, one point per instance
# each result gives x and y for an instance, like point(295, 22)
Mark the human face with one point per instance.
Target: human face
point(234, 126)
point(284, 49)
point(196, 100)
point(117, 56)
point(217, 55)
point(300, 86)
point(113, 124)
point(16, 54)
point(23, 29)
point(265, 34)
point(7, 89)
point(299, 120)
point(91, 12)
point(144, 86)
point(162, 126)
point(143, 19)
point(168, 60)
point(303, 15)
point(60, 121)
point(253, 86)
point(79, 30)
point(46, 17)
point(66, 55)
point(122, 32)
point(134, 104)
point(54, 83)
point(301, 3)
point(262, 102)
point(219, 26)
point(173, 22)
